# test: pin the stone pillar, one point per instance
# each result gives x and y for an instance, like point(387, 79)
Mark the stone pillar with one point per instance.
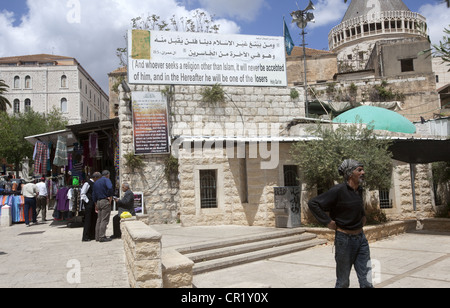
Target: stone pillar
point(143, 249)
point(6, 218)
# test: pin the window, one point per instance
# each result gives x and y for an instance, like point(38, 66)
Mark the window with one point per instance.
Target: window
point(27, 104)
point(385, 202)
point(16, 106)
point(64, 105)
point(407, 65)
point(16, 82)
point(208, 189)
point(28, 82)
point(64, 81)
point(290, 175)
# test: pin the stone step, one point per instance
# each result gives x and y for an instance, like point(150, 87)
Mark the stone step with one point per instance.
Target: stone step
point(261, 254)
point(214, 244)
point(249, 246)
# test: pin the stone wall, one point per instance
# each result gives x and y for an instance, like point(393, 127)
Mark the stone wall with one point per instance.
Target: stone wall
point(244, 195)
point(247, 111)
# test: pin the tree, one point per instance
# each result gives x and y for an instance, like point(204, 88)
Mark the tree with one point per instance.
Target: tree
point(443, 49)
point(13, 146)
point(199, 21)
point(4, 102)
point(319, 159)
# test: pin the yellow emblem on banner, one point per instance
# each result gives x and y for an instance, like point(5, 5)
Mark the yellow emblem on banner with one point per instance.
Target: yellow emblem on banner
point(140, 45)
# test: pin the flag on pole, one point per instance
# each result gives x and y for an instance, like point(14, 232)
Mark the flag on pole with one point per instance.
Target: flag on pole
point(288, 42)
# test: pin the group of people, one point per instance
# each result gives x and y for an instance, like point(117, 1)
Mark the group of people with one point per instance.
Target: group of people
point(343, 202)
point(97, 194)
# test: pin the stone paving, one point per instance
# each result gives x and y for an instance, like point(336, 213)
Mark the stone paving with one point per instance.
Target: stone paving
point(52, 255)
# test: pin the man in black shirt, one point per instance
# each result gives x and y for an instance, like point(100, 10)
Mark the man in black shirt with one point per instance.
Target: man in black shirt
point(347, 217)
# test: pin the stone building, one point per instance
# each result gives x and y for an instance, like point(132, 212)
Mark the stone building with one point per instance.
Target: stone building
point(44, 82)
point(377, 45)
point(234, 154)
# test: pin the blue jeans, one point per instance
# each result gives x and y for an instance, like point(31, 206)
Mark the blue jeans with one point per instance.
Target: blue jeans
point(352, 250)
point(30, 203)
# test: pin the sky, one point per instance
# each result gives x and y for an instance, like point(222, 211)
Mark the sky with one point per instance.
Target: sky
point(92, 30)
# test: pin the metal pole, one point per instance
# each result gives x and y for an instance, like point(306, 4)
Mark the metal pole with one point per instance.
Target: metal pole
point(413, 186)
point(304, 67)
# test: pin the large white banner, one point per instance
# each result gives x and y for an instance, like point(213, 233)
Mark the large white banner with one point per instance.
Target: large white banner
point(164, 57)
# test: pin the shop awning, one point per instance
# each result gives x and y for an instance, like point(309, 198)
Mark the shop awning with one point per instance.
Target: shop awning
point(53, 137)
point(421, 151)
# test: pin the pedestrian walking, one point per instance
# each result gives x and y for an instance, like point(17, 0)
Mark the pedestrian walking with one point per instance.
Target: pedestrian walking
point(90, 216)
point(347, 217)
point(102, 196)
point(126, 204)
point(30, 192)
point(42, 199)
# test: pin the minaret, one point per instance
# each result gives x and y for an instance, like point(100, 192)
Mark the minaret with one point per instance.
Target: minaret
point(368, 21)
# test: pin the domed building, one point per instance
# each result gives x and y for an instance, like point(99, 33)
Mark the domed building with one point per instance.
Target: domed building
point(379, 56)
point(367, 22)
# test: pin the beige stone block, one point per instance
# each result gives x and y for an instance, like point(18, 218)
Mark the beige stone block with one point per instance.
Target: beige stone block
point(147, 270)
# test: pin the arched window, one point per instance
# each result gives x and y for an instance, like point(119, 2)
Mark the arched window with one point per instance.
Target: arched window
point(27, 104)
point(64, 81)
point(64, 105)
point(28, 82)
point(16, 82)
point(16, 106)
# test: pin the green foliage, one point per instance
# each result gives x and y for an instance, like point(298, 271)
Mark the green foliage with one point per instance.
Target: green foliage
point(3, 100)
point(171, 167)
point(14, 129)
point(213, 95)
point(443, 49)
point(383, 94)
point(320, 159)
point(133, 162)
point(441, 172)
point(294, 93)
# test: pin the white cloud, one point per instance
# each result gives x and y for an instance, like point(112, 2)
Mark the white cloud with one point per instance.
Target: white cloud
point(242, 10)
point(328, 12)
point(89, 31)
point(438, 18)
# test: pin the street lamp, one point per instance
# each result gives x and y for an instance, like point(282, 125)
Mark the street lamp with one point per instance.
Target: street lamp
point(301, 18)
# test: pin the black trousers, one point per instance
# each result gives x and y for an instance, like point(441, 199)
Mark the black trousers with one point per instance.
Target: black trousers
point(90, 219)
point(116, 226)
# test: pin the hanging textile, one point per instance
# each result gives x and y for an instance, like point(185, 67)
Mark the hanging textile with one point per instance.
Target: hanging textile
point(93, 144)
point(62, 200)
point(40, 157)
point(61, 152)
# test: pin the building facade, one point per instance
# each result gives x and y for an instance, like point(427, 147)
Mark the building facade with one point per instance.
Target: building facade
point(379, 60)
point(47, 82)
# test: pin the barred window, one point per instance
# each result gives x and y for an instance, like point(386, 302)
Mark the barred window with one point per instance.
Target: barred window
point(290, 175)
point(208, 189)
point(385, 200)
